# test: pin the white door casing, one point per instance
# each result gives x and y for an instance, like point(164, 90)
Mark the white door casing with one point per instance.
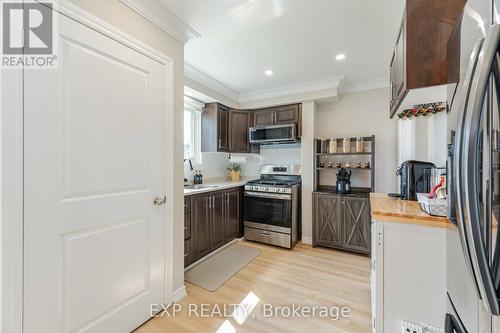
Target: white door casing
point(94, 159)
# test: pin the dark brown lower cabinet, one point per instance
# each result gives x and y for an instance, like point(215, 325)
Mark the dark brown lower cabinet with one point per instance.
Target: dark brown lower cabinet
point(342, 222)
point(188, 252)
point(357, 222)
point(200, 231)
point(218, 220)
point(327, 219)
point(214, 221)
point(233, 216)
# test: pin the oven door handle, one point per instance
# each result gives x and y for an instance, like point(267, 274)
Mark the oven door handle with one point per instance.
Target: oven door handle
point(269, 195)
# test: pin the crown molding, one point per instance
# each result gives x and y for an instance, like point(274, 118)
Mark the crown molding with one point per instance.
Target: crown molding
point(322, 91)
point(162, 17)
point(357, 86)
point(196, 75)
point(331, 84)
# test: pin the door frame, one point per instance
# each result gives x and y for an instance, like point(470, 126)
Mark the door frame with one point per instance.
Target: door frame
point(12, 169)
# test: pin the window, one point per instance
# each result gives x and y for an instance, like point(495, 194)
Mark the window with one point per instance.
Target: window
point(192, 128)
point(188, 134)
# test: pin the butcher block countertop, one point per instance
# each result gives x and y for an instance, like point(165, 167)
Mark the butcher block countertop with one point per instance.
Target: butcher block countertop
point(387, 209)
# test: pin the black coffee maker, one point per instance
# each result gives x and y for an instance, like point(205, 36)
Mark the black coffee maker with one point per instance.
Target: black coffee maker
point(415, 177)
point(344, 181)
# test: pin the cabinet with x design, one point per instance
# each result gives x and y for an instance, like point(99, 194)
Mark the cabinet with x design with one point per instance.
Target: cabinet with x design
point(342, 222)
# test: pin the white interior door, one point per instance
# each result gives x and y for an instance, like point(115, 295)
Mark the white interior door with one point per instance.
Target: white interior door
point(94, 160)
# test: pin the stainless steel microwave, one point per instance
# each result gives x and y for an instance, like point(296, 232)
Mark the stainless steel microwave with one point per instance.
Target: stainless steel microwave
point(273, 134)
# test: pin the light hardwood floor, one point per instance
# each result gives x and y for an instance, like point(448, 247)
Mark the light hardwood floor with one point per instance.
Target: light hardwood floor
point(304, 276)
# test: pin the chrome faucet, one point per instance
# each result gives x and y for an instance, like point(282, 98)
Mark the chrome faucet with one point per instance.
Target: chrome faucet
point(190, 167)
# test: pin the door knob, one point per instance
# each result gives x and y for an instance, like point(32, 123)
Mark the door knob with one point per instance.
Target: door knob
point(158, 201)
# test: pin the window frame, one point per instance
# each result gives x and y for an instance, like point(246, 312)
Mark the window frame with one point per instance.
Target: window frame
point(195, 133)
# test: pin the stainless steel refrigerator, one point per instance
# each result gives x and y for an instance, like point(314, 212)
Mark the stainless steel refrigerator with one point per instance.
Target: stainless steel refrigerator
point(473, 250)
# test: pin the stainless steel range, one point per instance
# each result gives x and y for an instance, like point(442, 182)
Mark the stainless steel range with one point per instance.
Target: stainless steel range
point(272, 206)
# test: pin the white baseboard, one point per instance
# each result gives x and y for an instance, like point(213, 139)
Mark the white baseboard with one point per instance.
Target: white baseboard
point(179, 294)
point(307, 240)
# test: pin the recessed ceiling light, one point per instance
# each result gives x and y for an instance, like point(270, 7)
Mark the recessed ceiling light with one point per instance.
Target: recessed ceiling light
point(269, 72)
point(340, 56)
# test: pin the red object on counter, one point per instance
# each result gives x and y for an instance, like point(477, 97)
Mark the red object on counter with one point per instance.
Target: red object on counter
point(432, 194)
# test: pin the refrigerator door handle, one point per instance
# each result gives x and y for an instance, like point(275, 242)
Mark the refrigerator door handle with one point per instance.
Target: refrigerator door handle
point(469, 167)
point(457, 192)
point(452, 325)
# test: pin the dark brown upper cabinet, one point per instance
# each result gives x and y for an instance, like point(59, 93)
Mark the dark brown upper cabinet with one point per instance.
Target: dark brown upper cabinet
point(420, 56)
point(215, 128)
point(285, 114)
point(239, 123)
point(264, 116)
point(226, 130)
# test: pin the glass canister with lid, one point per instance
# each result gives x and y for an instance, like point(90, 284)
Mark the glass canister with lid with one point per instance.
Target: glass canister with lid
point(346, 145)
point(324, 146)
point(360, 145)
point(333, 146)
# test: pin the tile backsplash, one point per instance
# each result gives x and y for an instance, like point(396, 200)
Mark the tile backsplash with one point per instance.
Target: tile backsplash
point(214, 165)
point(281, 154)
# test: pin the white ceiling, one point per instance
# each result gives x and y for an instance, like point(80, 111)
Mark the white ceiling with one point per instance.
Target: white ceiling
point(297, 39)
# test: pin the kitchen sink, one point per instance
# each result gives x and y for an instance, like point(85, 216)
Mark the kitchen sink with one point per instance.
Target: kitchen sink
point(200, 187)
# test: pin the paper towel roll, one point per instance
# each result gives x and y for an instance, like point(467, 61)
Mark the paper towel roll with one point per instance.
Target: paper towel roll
point(237, 159)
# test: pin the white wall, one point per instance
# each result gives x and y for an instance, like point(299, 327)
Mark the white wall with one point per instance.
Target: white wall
point(307, 154)
point(424, 139)
point(363, 114)
point(281, 154)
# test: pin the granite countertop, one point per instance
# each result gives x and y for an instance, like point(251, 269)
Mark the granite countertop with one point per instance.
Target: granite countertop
point(388, 209)
point(215, 185)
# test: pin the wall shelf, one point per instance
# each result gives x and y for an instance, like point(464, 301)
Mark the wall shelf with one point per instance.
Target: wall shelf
point(326, 168)
point(343, 220)
point(333, 154)
point(369, 152)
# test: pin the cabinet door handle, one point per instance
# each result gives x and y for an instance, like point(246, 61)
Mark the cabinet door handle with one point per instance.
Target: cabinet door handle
point(220, 143)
